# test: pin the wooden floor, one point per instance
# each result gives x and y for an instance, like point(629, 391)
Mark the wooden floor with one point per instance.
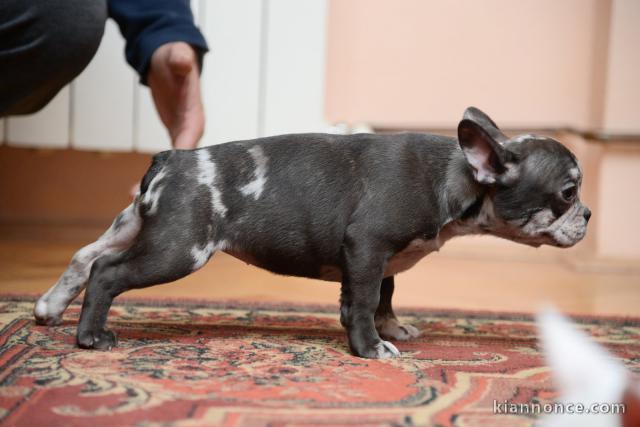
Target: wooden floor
point(468, 273)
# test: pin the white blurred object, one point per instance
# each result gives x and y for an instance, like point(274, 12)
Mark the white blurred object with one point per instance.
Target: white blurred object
point(346, 129)
point(583, 371)
point(338, 129)
point(361, 128)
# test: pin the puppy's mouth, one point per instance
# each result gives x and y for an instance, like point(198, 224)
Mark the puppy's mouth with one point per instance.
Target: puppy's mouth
point(561, 244)
point(564, 232)
point(542, 239)
point(557, 239)
point(562, 239)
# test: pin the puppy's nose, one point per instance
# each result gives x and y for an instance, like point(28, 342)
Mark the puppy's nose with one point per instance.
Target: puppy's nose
point(586, 214)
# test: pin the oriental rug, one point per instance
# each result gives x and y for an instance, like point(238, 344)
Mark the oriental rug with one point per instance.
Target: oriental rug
point(181, 363)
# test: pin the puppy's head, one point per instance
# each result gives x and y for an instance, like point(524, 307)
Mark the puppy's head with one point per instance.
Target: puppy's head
point(533, 184)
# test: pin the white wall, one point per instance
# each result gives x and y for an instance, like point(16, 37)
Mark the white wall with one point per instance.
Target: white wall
point(102, 102)
point(231, 75)
point(294, 69)
point(49, 128)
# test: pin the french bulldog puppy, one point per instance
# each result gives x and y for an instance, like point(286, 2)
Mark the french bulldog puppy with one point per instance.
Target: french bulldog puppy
point(355, 209)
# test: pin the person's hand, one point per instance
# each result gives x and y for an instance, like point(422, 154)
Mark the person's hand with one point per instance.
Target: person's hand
point(175, 85)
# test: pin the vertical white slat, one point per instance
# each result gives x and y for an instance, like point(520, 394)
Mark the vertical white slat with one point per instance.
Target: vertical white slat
point(295, 67)
point(1, 131)
point(150, 135)
point(48, 128)
point(196, 8)
point(102, 117)
point(230, 79)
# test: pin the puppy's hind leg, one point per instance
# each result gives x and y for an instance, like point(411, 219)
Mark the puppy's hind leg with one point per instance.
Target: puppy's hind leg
point(387, 324)
point(49, 308)
point(157, 256)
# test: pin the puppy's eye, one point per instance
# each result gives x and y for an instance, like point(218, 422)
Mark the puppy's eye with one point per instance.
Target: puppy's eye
point(569, 193)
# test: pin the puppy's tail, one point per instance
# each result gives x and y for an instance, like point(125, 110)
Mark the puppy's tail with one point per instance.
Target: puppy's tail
point(146, 201)
point(157, 164)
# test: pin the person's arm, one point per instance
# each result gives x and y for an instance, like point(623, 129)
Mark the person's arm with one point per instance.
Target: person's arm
point(166, 49)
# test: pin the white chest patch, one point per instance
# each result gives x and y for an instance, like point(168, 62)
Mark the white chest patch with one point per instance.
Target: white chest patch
point(256, 186)
point(409, 256)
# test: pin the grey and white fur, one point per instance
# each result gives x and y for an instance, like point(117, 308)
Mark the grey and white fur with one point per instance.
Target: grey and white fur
point(356, 209)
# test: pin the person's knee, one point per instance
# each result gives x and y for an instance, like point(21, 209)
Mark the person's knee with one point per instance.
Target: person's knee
point(72, 32)
point(76, 28)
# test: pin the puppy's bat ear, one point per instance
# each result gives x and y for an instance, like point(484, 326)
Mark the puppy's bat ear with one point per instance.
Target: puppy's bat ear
point(476, 115)
point(481, 142)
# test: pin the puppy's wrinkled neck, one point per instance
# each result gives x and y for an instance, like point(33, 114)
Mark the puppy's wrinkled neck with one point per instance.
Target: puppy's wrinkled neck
point(461, 195)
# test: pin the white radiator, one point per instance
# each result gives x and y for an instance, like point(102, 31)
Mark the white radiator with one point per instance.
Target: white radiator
point(264, 75)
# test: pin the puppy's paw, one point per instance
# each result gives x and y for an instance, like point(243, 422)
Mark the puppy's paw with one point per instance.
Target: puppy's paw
point(48, 320)
point(44, 315)
point(391, 329)
point(98, 340)
point(380, 350)
point(386, 350)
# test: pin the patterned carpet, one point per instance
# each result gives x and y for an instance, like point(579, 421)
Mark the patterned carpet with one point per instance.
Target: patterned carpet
point(195, 364)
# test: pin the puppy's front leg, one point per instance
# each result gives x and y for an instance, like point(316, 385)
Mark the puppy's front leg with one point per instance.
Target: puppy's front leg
point(362, 270)
point(387, 323)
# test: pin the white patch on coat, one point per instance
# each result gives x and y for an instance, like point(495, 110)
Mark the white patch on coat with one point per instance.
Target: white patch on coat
point(207, 176)
point(117, 238)
point(574, 173)
point(539, 222)
point(571, 227)
point(528, 136)
point(479, 224)
point(201, 255)
point(256, 186)
point(511, 174)
point(152, 195)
